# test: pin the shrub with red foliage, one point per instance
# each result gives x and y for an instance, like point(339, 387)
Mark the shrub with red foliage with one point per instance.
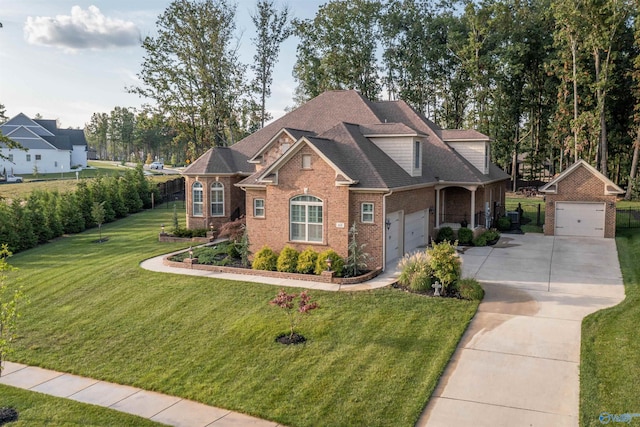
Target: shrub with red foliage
point(233, 229)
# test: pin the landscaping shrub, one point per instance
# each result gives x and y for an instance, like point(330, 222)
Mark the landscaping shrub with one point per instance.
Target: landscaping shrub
point(492, 235)
point(233, 229)
point(470, 289)
point(445, 234)
point(481, 240)
point(415, 272)
point(288, 260)
point(445, 263)
point(307, 261)
point(189, 233)
point(465, 236)
point(265, 259)
point(337, 263)
point(504, 223)
point(357, 258)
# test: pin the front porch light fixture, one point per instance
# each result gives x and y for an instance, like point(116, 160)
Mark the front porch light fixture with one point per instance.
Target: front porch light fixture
point(328, 264)
point(387, 223)
point(190, 252)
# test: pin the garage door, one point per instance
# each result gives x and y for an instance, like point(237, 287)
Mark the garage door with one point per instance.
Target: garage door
point(580, 219)
point(393, 236)
point(414, 230)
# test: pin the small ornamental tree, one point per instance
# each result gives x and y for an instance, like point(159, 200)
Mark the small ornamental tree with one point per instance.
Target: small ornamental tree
point(98, 215)
point(357, 258)
point(294, 311)
point(9, 304)
point(445, 263)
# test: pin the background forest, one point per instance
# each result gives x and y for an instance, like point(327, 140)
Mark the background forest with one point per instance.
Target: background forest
point(549, 80)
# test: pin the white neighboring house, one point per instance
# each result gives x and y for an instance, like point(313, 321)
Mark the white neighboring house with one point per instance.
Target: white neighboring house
point(48, 149)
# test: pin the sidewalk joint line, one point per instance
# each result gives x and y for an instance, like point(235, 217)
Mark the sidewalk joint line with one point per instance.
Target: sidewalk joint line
point(521, 355)
point(509, 407)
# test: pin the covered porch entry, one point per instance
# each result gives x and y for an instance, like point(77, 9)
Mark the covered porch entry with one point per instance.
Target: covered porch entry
point(462, 205)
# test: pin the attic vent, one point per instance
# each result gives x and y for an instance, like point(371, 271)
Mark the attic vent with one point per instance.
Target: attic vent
point(610, 189)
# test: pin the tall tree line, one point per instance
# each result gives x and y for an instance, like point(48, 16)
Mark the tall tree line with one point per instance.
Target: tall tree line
point(549, 80)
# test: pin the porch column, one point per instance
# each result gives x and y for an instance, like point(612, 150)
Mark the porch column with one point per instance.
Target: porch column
point(437, 208)
point(473, 209)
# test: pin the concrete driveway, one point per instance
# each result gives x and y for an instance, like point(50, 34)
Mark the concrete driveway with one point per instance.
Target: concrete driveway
point(518, 363)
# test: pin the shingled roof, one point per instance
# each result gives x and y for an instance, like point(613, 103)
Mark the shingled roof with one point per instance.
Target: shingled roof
point(337, 124)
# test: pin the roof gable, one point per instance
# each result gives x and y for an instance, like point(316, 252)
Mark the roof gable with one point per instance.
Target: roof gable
point(319, 146)
point(316, 115)
point(609, 187)
point(293, 134)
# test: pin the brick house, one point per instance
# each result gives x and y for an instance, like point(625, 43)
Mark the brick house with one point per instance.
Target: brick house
point(341, 159)
point(580, 202)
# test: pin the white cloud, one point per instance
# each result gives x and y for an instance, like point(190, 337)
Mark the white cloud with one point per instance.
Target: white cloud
point(83, 29)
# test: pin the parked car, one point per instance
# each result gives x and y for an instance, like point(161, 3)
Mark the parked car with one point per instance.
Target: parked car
point(156, 165)
point(12, 178)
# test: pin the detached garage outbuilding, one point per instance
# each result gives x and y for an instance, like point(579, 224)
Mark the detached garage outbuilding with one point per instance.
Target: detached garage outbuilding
point(581, 202)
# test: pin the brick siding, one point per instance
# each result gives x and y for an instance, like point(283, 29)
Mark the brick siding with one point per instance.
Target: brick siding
point(233, 199)
point(580, 186)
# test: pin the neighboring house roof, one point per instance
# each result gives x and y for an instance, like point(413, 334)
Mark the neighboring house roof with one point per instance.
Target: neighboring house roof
point(462, 135)
point(338, 125)
point(41, 134)
point(609, 187)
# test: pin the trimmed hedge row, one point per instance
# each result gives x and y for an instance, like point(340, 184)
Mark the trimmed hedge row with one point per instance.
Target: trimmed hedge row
point(45, 215)
point(291, 261)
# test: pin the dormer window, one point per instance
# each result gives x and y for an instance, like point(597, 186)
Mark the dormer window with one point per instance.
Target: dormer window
point(417, 158)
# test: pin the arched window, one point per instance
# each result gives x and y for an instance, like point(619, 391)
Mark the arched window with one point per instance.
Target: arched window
point(306, 219)
point(217, 199)
point(196, 198)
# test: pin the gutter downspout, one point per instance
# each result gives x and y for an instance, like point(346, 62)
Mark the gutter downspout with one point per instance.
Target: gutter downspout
point(384, 230)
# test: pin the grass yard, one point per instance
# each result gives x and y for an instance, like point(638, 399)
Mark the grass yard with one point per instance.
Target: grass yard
point(530, 208)
point(610, 353)
point(372, 358)
point(36, 409)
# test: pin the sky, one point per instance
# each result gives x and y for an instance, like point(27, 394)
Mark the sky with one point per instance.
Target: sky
point(66, 60)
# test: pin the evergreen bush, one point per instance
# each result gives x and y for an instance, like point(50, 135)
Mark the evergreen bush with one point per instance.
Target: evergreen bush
point(445, 234)
point(337, 263)
point(265, 259)
point(288, 260)
point(307, 261)
point(465, 236)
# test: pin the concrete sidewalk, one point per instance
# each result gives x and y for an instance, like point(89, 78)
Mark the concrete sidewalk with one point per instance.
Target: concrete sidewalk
point(518, 362)
point(170, 410)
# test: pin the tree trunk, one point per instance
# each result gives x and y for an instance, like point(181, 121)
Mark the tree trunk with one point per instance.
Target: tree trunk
point(634, 165)
point(575, 97)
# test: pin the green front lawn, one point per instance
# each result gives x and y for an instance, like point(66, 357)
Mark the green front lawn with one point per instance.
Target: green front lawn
point(36, 409)
point(372, 358)
point(610, 354)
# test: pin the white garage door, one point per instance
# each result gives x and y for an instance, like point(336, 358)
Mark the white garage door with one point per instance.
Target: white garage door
point(414, 230)
point(580, 219)
point(393, 236)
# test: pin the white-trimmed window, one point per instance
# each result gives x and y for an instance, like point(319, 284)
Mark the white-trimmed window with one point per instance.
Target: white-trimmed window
point(11, 158)
point(38, 157)
point(197, 198)
point(306, 219)
point(258, 208)
point(217, 199)
point(417, 158)
point(28, 157)
point(306, 161)
point(366, 212)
